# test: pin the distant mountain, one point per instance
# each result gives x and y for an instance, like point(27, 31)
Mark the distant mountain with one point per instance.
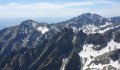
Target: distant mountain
point(86, 42)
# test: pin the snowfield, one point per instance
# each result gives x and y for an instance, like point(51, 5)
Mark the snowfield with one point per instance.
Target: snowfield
point(88, 52)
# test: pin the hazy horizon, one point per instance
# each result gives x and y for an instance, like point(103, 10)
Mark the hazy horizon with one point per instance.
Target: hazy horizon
point(13, 12)
point(6, 22)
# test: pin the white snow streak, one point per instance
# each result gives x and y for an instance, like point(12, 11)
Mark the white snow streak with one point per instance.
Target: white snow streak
point(63, 64)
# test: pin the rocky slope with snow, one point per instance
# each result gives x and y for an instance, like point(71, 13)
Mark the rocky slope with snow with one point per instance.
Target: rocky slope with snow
point(86, 42)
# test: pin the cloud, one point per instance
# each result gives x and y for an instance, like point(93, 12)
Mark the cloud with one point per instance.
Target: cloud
point(47, 9)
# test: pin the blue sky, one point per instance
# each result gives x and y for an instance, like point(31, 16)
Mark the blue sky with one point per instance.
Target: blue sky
point(14, 11)
point(34, 1)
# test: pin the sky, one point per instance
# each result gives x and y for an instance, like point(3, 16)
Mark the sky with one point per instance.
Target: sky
point(15, 11)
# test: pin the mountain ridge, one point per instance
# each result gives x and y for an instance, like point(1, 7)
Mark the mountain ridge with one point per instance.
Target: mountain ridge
point(40, 46)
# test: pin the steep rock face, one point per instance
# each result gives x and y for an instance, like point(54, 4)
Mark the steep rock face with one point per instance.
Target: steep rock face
point(96, 39)
point(56, 50)
point(117, 37)
point(51, 56)
point(80, 39)
point(74, 63)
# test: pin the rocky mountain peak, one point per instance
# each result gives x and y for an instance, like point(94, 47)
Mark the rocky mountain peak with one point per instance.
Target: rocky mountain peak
point(90, 15)
point(29, 23)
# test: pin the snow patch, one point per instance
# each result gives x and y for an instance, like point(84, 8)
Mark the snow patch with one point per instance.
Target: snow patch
point(75, 30)
point(107, 24)
point(108, 28)
point(2, 50)
point(43, 29)
point(90, 28)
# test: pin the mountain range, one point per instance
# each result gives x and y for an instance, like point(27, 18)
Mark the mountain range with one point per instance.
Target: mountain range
point(86, 42)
